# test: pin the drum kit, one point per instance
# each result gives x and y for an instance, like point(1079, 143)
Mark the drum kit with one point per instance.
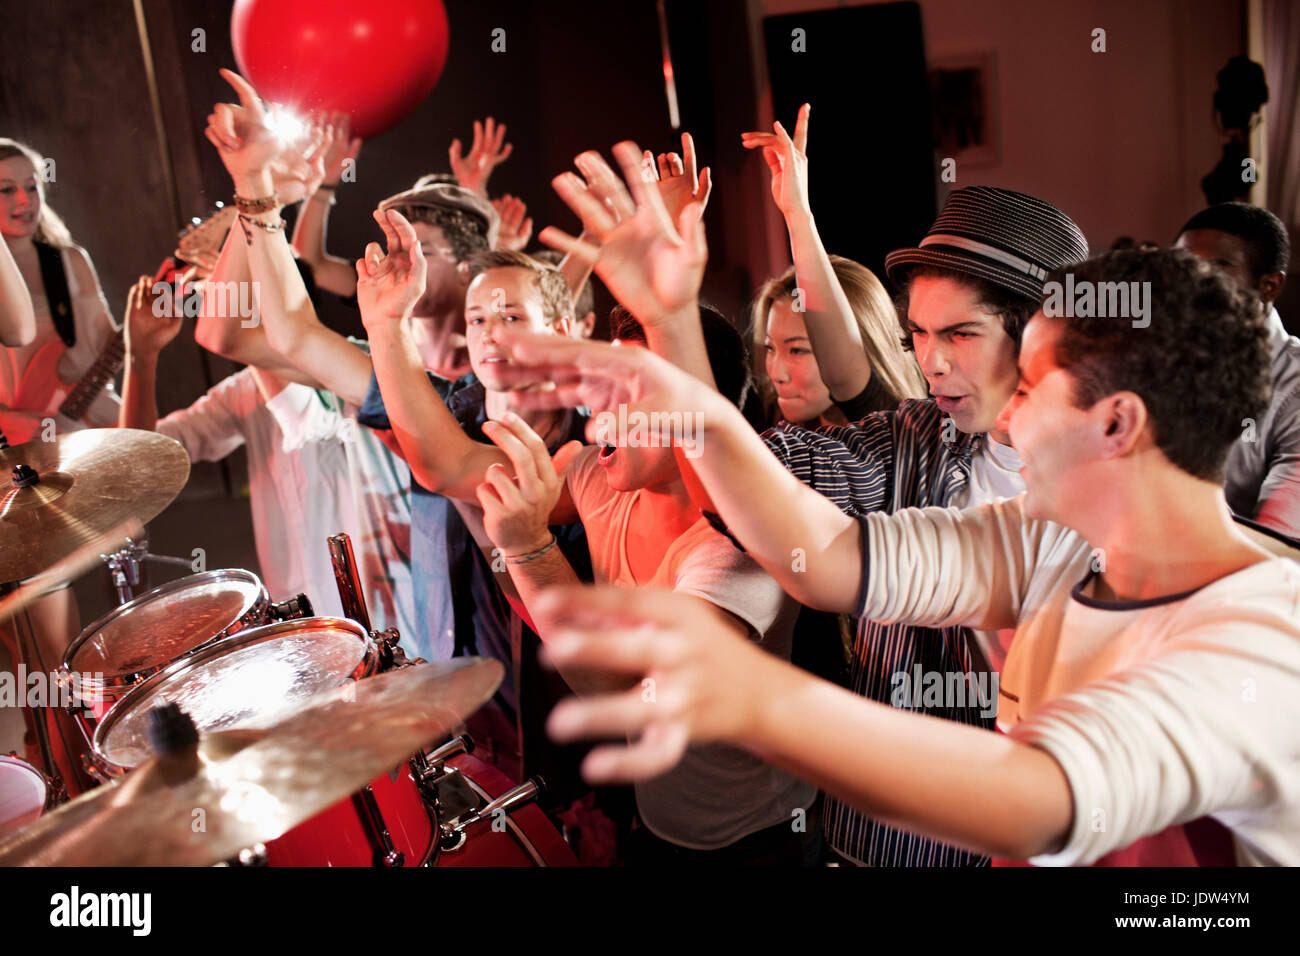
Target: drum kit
point(203, 724)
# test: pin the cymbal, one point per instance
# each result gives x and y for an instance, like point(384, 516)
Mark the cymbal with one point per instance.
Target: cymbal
point(90, 482)
point(202, 805)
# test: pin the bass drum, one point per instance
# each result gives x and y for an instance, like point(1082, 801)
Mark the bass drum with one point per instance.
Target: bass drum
point(524, 837)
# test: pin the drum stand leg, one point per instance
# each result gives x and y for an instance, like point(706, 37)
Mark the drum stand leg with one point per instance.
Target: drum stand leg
point(385, 854)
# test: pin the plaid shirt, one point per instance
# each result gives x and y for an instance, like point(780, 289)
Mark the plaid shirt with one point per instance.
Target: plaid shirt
point(887, 461)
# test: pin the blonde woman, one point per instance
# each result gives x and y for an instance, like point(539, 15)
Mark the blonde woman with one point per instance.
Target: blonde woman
point(71, 317)
point(794, 378)
point(833, 309)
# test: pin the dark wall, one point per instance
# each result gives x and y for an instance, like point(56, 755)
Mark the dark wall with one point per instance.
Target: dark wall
point(575, 75)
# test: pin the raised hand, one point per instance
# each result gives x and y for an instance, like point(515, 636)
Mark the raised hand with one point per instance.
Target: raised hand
point(515, 230)
point(516, 510)
point(388, 286)
point(605, 376)
point(243, 138)
point(787, 160)
point(147, 328)
point(705, 678)
point(299, 168)
point(679, 183)
point(488, 150)
point(339, 149)
point(653, 264)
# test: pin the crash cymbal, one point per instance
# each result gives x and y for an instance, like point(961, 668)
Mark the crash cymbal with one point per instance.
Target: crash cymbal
point(202, 805)
point(87, 483)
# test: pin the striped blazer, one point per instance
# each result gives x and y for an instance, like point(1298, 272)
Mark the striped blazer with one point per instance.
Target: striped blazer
point(911, 457)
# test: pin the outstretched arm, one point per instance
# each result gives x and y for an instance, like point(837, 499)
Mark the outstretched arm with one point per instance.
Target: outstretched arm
point(145, 334)
point(773, 514)
point(832, 330)
point(333, 273)
point(647, 245)
point(441, 456)
point(252, 154)
point(987, 792)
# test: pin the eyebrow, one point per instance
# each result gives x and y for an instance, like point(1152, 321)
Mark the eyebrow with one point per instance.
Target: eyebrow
point(955, 327)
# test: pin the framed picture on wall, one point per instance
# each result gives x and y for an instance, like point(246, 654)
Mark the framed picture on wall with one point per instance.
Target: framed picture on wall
point(963, 108)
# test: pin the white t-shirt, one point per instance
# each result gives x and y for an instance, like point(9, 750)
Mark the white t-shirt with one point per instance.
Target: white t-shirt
point(305, 484)
point(717, 794)
point(1159, 712)
point(994, 476)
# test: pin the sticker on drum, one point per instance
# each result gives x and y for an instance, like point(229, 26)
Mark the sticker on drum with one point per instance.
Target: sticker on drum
point(157, 628)
point(250, 680)
point(23, 794)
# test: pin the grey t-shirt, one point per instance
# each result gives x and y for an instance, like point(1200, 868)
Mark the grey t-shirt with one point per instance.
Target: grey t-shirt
point(717, 794)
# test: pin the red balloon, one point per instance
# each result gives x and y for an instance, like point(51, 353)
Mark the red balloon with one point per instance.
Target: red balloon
point(373, 59)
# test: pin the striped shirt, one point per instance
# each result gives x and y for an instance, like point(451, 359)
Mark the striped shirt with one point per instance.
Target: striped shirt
point(911, 457)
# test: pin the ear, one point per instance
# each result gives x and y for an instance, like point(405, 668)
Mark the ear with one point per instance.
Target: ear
point(463, 273)
point(562, 325)
point(1123, 418)
point(1270, 287)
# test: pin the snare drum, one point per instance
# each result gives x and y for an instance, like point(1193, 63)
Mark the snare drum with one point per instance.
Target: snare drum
point(24, 794)
point(163, 625)
point(258, 677)
point(253, 680)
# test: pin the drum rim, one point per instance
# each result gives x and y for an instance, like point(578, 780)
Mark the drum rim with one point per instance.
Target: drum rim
point(256, 612)
point(252, 635)
point(46, 790)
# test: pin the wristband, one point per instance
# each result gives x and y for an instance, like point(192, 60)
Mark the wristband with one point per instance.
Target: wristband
point(532, 555)
point(254, 206)
point(329, 186)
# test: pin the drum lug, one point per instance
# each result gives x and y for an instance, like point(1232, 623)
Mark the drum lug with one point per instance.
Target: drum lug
point(529, 791)
point(291, 610)
point(432, 767)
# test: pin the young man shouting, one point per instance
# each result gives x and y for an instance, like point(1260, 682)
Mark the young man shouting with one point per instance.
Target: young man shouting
point(1150, 696)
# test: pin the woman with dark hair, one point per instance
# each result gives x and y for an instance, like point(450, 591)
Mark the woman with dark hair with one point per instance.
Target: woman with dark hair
point(71, 321)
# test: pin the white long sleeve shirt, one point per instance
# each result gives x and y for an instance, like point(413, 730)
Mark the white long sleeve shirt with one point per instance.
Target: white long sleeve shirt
point(1159, 712)
point(312, 474)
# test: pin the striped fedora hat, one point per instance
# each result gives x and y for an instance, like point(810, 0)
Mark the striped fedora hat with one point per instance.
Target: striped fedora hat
point(1007, 238)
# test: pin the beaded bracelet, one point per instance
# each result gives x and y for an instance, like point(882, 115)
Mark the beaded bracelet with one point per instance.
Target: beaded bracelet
point(532, 555)
point(245, 221)
point(255, 206)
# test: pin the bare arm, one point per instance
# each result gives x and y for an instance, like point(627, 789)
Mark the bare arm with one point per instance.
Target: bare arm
point(441, 456)
point(222, 330)
point(292, 327)
point(17, 319)
point(334, 274)
point(832, 329)
point(145, 335)
point(774, 515)
point(987, 792)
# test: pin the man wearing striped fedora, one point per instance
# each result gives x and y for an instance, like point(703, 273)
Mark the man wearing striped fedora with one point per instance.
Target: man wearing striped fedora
point(968, 288)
